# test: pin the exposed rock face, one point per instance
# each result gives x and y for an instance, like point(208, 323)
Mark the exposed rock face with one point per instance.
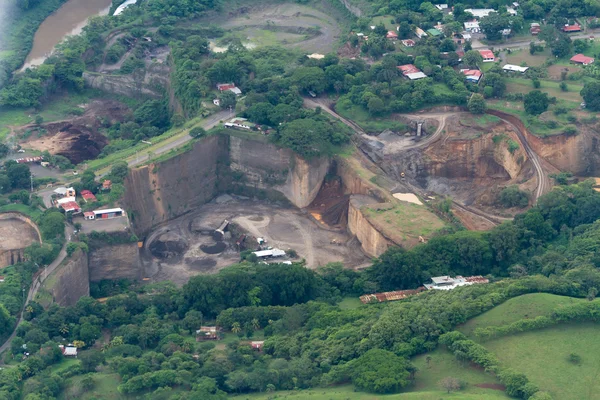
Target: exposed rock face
point(115, 262)
point(579, 154)
point(173, 187)
point(354, 10)
point(372, 241)
point(72, 280)
point(17, 231)
point(149, 82)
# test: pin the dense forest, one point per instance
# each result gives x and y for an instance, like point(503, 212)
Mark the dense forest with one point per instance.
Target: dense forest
point(309, 341)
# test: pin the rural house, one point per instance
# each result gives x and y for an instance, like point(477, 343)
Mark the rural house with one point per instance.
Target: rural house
point(581, 59)
point(488, 55)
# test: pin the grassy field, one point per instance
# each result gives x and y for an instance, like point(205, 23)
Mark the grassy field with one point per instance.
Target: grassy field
point(526, 306)
point(386, 20)
point(404, 220)
point(543, 356)
point(32, 212)
point(370, 124)
point(347, 392)
point(522, 85)
point(349, 303)
point(443, 364)
point(522, 56)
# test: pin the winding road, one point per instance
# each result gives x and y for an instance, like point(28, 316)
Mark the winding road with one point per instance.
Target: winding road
point(543, 182)
point(38, 280)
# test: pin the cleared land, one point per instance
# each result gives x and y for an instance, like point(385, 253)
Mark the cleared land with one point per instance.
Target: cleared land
point(288, 24)
point(16, 234)
point(526, 306)
point(187, 245)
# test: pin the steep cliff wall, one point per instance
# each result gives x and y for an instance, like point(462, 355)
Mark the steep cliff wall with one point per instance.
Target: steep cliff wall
point(354, 10)
point(578, 154)
point(119, 261)
point(157, 192)
point(17, 231)
point(71, 280)
point(372, 241)
point(149, 82)
point(267, 166)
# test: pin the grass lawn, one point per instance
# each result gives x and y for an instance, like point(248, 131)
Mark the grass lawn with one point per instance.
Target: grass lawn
point(33, 212)
point(12, 118)
point(349, 303)
point(404, 220)
point(521, 85)
point(526, 306)
point(64, 364)
point(532, 123)
point(443, 364)
point(542, 356)
point(347, 392)
point(386, 20)
point(519, 56)
point(105, 388)
point(370, 124)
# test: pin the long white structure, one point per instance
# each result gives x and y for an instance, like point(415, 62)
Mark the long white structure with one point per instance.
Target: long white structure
point(123, 6)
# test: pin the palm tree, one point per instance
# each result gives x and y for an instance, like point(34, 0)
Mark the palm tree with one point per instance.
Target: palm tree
point(255, 324)
point(236, 327)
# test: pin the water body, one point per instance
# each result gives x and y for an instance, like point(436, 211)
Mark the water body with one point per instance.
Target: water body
point(69, 19)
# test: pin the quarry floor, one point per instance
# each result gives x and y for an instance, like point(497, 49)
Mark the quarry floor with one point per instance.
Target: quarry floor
point(188, 245)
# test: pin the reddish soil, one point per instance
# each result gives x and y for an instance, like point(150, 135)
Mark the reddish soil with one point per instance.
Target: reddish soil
point(331, 204)
point(79, 138)
point(555, 70)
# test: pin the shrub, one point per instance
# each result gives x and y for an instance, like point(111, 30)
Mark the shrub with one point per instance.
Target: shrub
point(512, 196)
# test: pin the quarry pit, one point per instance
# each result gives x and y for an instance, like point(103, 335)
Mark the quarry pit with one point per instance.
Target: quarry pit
point(16, 233)
point(188, 245)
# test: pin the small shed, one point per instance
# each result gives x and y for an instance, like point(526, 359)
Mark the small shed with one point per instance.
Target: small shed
point(207, 333)
point(257, 344)
point(88, 196)
point(89, 215)
point(106, 185)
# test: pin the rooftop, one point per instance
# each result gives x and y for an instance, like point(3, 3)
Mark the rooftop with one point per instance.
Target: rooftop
point(514, 68)
point(581, 59)
point(108, 211)
point(448, 283)
point(487, 54)
point(408, 69)
point(389, 296)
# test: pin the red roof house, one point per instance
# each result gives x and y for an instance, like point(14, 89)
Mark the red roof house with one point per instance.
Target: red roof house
point(408, 69)
point(391, 35)
point(88, 196)
point(71, 206)
point(106, 185)
point(225, 86)
point(473, 75)
point(571, 28)
point(488, 55)
point(581, 59)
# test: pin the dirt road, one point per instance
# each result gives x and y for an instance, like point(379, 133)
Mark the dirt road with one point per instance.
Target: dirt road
point(38, 280)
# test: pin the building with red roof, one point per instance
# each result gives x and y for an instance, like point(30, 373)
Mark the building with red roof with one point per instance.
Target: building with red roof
point(408, 69)
point(106, 185)
point(488, 55)
point(71, 206)
point(88, 196)
point(391, 35)
point(571, 28)
point(473, 75)
point(581, 59)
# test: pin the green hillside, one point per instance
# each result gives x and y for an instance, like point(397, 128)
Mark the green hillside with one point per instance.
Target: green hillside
point(526, 306)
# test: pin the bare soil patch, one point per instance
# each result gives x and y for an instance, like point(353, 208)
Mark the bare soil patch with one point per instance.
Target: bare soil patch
point(16, 234)
point(79, 138)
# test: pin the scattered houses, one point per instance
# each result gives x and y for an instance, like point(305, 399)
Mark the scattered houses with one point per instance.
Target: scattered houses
point(571, 28)
point(88, 196)
point(207, 333)
point(391, 35)
point(109, 213)
point(269, 253)
point(480, 12)
point(535, 28)
point(581, 59)
point(408, 43)
point(389, 296)
point(472, 75)
point(488, 55)
point(68, 351)
point(411, 72)
point(447, 283)
point(420, 33)
point(229, 86)
point(472, 27)
point(434, 32)
point(514, 68)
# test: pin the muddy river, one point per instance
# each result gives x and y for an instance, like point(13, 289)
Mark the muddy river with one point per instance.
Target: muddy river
point(69, 19)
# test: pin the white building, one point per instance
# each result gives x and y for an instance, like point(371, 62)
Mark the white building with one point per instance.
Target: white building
point(514, 68)
point(480, 12)
point(472, 27)
point(269, 253)
point(447, 283)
